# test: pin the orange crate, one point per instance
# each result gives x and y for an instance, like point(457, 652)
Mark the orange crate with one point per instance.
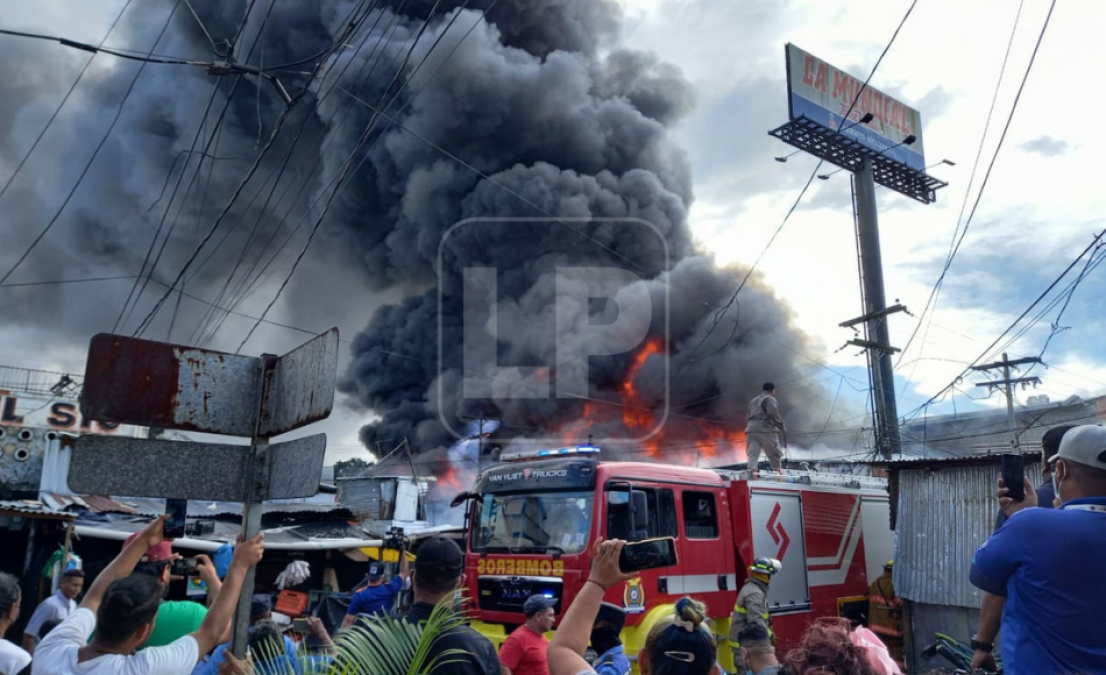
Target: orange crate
point(291, 603)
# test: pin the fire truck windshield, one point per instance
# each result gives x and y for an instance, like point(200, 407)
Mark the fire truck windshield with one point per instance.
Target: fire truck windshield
point(533, 521)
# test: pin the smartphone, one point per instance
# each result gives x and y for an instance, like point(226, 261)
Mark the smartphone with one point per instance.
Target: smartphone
point(1013, 476)
point(648, 554)
point(177, 509)
point(183, 567)
point(300, 626)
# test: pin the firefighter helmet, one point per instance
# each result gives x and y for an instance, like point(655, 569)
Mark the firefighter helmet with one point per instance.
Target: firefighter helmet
point(767, 566)
point(889, 564)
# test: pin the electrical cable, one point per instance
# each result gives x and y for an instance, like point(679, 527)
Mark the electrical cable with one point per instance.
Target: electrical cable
point(64, 100)
point(269, 268)
point(95, 154)
point(343, 173)
point(1090, 247)
point(955, 245)
point(277, 126)
point(84, 46)
point(206, 321)
point(733, 298)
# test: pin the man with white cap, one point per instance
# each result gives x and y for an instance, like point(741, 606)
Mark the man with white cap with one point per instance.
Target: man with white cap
point(1041, 572)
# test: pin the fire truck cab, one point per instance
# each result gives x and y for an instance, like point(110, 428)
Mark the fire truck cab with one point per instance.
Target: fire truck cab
point(533, 520)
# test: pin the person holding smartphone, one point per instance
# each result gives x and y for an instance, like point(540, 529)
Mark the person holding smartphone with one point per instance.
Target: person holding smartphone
point(122, 608)
point(1041, 572)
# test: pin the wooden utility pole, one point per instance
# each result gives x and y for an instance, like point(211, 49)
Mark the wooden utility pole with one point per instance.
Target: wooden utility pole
point(1007, 383)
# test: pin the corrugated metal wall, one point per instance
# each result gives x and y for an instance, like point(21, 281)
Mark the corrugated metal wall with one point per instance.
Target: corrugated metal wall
point(362, 497)
point(944, 514)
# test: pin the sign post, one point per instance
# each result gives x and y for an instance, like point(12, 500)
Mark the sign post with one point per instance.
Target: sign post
point(843, 121)
point(156, 384)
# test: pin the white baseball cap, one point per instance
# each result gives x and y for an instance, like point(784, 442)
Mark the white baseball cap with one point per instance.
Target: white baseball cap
point(1084, 444)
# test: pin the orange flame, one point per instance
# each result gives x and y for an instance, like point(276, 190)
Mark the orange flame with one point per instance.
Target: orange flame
point(450, 480)
point(681, 438)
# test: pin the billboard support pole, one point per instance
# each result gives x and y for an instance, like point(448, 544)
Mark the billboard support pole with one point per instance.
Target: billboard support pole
point(875, 306)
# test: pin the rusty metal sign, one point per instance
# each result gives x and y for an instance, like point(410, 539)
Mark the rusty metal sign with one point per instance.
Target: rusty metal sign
point(302, 387)
point(198, 471)
point(157, 384)
point(295, 467)
point(169, 469)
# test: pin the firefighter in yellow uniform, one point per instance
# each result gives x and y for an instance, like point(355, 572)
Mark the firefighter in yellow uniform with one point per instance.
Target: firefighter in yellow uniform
point(885, 613)
point(752, 603)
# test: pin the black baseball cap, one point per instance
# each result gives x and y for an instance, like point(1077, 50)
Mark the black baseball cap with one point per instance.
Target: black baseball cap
point(376, 571)
point(612, 614)
point(537, 603)
point(260, 605)
point(439, 555)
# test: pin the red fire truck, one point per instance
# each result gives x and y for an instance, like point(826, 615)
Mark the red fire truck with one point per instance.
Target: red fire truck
point(533, 519)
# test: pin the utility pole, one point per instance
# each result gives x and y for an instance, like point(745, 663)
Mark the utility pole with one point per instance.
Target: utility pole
point(1007, 383)
point(853, 133)
point(877, 341)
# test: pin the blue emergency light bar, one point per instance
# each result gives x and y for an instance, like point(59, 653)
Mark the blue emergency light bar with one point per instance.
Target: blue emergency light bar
point(579, 450)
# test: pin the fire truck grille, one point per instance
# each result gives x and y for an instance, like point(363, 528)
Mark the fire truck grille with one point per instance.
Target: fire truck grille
point(508, 593)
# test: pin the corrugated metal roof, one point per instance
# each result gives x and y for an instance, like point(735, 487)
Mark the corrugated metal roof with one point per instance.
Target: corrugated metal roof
point(946, 511)
point(918, 462)
point(94, 503)
point(34, 509)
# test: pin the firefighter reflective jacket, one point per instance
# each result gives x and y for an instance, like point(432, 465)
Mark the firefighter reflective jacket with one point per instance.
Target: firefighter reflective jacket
point(751, 607)
point(884, 608)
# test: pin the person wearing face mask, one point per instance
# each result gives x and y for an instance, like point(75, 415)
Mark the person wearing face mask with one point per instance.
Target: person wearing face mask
point(1050, 445)
point(1041, 572)
point(606, 640)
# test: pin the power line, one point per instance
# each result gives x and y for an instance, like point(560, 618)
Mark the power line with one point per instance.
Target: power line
point(345, 170)
point(95, 153)
point(248, 286)
point(1088, 250)
point(733, 298)
point(934, 293)
point(208, 324)
point(64, 100)
point(84, 46)
point(136, 292)
point(278, 125)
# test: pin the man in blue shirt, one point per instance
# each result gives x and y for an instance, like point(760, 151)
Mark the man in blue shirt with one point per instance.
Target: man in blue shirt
point(378, 597)
point(1041, 572)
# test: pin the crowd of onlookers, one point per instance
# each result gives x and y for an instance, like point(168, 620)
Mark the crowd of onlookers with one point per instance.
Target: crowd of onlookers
point(1040, 572)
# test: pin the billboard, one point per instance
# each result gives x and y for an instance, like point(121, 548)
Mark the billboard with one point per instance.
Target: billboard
point(822, 94)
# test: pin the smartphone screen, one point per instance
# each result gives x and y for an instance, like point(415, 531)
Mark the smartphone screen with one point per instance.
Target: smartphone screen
point(648, 554)
point(184, 567)
point(1013, 476)
point(174, 524)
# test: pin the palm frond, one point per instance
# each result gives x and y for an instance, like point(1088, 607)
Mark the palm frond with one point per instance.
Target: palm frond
point(374, 645)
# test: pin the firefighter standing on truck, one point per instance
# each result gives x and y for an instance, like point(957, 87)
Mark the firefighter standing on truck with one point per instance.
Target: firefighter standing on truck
point(885, 613)
point(752, 603)
point(763, 427)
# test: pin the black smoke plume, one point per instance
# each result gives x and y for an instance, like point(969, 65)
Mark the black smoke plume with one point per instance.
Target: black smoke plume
point(425, 114)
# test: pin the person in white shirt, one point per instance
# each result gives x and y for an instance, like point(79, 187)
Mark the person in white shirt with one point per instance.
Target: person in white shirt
point(13, 659)
point(121, 607)
point(57, 607)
